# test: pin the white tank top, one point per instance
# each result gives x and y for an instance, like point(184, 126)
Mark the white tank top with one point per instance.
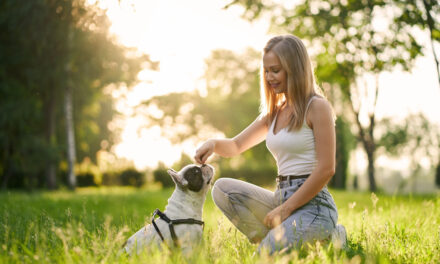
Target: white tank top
point(294, 151)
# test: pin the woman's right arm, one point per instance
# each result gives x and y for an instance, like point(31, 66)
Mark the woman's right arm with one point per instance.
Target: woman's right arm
point(255, 133)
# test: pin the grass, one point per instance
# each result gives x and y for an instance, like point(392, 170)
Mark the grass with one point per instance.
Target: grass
point(90, 225)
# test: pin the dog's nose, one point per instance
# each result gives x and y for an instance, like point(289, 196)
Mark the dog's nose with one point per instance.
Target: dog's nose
point(203, 165)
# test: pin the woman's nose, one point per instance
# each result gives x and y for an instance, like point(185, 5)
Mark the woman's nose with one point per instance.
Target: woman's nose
point(269, 76)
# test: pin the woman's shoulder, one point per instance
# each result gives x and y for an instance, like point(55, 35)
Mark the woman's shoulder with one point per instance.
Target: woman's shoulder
point(319, 108)
point(319, 103)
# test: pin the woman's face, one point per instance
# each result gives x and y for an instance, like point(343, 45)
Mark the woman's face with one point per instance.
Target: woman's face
point(276, 76)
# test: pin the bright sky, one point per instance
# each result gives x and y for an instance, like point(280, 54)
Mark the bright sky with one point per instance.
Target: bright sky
point(181, 34)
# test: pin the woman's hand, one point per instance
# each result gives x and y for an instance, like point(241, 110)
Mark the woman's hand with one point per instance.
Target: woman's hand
point(204, 151)
point(276, 217)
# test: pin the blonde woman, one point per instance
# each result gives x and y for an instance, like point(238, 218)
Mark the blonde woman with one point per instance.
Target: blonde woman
point(298, 126)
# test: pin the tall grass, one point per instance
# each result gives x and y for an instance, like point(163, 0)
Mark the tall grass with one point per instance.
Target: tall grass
point(90, 225)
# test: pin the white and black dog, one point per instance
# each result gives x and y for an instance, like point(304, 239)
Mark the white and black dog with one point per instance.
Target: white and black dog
point(180, 225)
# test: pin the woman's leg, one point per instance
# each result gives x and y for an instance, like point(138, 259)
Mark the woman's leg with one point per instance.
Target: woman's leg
point(245, 205)
point(314, 221)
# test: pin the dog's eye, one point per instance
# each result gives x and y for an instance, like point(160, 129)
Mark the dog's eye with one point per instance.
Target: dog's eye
point(197, 171)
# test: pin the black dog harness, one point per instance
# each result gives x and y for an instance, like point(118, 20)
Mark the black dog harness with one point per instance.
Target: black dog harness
point(171, 224)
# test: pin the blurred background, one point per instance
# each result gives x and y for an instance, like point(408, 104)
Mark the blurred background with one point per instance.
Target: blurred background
point(102, 93)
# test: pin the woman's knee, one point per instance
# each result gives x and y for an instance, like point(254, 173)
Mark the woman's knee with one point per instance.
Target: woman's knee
point(218, 190)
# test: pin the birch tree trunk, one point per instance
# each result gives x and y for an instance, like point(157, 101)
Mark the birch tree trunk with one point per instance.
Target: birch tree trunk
point(71, 152)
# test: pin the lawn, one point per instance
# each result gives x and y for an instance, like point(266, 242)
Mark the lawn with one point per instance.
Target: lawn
point(90, 225)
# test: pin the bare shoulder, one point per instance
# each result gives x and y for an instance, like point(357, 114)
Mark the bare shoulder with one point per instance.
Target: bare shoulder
point(320, 110)
point(320, 104)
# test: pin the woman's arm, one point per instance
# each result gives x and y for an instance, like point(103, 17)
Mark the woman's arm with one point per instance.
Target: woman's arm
point(320, 119)
point(255, 133)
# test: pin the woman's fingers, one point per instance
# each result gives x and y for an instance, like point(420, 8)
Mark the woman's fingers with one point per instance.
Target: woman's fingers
point(200, 156)
point(203, 153)
point(206, 156)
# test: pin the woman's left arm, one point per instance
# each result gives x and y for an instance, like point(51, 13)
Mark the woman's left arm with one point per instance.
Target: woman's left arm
point(320, 119)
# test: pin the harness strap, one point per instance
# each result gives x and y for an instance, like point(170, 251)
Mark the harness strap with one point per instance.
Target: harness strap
point(171, 224)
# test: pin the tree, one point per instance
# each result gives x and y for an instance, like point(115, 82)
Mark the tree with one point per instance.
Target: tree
point(422, 14)
point(54, 52)
point(415, 137)
point(348, 44)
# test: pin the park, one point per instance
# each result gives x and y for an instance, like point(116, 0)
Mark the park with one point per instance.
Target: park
point(99, 99)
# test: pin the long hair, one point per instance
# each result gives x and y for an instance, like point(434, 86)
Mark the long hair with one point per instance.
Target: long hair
point(301, 84)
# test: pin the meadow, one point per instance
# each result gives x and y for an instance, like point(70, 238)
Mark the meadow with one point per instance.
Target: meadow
point(90, 225)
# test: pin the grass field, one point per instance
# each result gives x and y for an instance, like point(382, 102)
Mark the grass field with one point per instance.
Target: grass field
point(90, 225)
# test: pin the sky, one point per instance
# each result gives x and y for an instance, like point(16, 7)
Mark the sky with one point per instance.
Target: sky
point(182, 34)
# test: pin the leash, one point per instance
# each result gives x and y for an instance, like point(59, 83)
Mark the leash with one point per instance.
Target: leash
point(171, 224)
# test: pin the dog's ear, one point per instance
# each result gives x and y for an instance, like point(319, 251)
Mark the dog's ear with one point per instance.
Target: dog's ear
point(182, 182)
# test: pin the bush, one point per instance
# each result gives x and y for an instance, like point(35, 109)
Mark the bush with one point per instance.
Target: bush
point(111, 179)
point(132, 177)
point(85, 180)
point(161, 175)
point(127, 177)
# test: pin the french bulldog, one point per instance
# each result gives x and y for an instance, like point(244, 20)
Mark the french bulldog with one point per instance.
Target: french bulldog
point(192, 183)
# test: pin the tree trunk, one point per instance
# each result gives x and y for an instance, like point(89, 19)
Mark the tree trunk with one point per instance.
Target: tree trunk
point(71, 153)
point(7, 170)
point(342, 157)
point(437, 174)
point(50, 171)
point(366, 136)
point(371, 170)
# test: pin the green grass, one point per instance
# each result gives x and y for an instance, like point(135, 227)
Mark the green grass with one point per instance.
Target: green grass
point(90, 225)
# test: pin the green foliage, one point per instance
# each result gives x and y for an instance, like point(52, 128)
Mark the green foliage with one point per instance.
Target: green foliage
point(132, 177)
point(345, 143)
point(127, 177)
point(85, 180)
point(161, 175)
point(415, 136)
point(421, 14)
point(45, 47)
point(90, 226)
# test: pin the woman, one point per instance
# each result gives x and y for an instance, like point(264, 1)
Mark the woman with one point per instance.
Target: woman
point(298, 126)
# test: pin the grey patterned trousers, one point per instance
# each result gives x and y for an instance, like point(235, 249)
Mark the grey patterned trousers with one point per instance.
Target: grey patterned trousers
point(246, 205)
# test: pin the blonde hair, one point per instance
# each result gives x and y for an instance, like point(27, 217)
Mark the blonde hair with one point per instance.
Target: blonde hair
point(301, 84)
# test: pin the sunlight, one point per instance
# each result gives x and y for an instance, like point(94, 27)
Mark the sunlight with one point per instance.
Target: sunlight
point(180, 35)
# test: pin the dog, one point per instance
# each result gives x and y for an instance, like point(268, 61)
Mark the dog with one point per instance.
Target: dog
point(180, 225)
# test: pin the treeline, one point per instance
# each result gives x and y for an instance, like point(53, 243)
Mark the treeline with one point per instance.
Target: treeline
point(57, 61)
point(59, 66)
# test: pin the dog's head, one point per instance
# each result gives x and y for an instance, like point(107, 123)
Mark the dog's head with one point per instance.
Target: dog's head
point(193, 177)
